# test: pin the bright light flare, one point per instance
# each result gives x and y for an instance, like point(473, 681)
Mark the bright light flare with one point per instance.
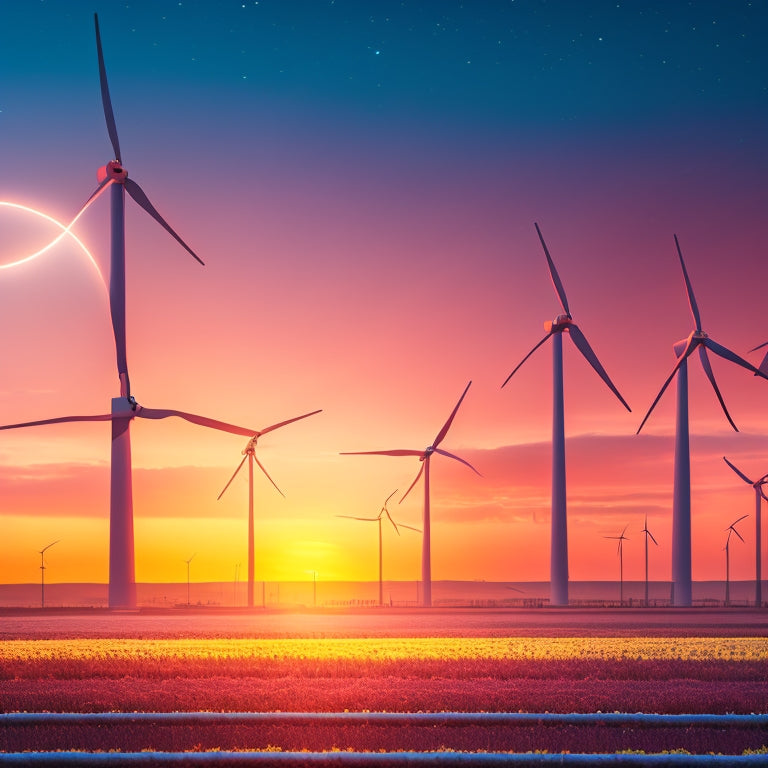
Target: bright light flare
point(66, 229)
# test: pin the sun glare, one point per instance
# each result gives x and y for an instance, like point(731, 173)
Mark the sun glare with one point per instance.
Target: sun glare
point(66, 229)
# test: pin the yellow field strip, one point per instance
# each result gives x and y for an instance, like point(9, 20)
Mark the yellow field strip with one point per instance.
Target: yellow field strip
point(553, 648)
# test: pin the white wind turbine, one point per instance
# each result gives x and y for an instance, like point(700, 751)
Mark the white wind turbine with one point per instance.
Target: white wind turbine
point(681, 502)
point(731, 529)
point(621, 539)
point(648, 535)
point(558, 563)
point(122, 581)
point(758, 485)
point(249, 452)
point(383, 511)
point(42, 571)
point(424, 457)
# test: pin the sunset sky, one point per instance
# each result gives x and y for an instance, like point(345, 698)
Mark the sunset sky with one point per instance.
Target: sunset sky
point(362, 181)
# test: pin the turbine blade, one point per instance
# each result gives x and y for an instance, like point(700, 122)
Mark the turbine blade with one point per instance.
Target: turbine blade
point(580, 340)
point(652, 539)
point(743, 517)
point(137, 193)
point(705, 364)
point(261, 467)
point(691, 298)
point(105, 100)
point(759, 346)
point(366, 519)
point(726, 354)
point(444, 431)
point(386, 501)
point(410, 527)
point(525, 358)
point(283, 423)
point(203, 421)
point(556, 282)
point(239, 466)
point(394, 524)
point(96, 192)
point(421, 470)
point(452, 456)
point(738, 472)
point(686, 352)
point(737, 533)
point(59, 420)
point(399, 452)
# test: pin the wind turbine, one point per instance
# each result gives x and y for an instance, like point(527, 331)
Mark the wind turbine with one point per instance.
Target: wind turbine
point(759, 495)
point(558, 563)
point(731, 529)
point(424, 457)
point(122, 586)
point(188, 562)
point(249, 452)
point(621, 539)
point(42, 572)
point(647, 535)
point(377, 519)
point(681, 503)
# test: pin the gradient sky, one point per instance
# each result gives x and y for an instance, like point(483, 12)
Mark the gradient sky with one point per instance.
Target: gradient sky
point(362, 181)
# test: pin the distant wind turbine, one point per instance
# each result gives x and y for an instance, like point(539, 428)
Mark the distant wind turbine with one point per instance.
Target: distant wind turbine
point(424, 457)
point(188, 562)
point(621, 539)
point(731, 529)
point(42, 572)
point(681, 504)
point(648, 535)
point(758, 485)
point(377, 519)
point(249, 452)
point(122, 581)
point(558, 562)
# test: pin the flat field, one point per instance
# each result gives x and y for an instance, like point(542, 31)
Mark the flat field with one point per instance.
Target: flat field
point(561, 661)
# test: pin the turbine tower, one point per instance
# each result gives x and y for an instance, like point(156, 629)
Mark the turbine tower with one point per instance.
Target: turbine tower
point(42, 571)
point(681, 503)
point(249, 452)
point(424, 457)
point(622, 538)
point(731, 529)
point(759, 495)
point(648, 535)
point(558, 563)
point(383, 511)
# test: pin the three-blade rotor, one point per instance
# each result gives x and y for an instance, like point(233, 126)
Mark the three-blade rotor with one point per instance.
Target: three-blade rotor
point(565, 323)
point(621, 539)
point(427, 452)
point(647, 532)
point(697, 339)
point(731, 529)
point(250, 450)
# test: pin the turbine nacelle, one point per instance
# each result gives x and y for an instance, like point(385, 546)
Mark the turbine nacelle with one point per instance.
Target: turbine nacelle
point(112, 171)
point(250, 447)
point(559, 324)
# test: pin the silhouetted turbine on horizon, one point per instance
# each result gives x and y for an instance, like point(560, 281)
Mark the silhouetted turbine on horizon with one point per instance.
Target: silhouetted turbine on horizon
point(647, 535)
point(424, 457)
point(681, 504)
point(249, 452)
point(42, 571)
point(559, 523)
point(731, 529)
point(758, 485)
point(383, 511)
point(622, 538)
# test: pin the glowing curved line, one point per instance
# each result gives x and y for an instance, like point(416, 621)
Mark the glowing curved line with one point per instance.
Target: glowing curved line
point(66, 229)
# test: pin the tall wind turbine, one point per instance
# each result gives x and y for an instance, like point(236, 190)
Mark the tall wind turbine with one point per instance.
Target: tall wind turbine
point(648, 535)
point(424, 457)
point(731, 529)
point(383, 511)
point(681, 503)
point(558, 563)
point(42, 572)
point(122, 586)
point(249, 452)
point(621, 539)
point(188, 563)
point(758, 485)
